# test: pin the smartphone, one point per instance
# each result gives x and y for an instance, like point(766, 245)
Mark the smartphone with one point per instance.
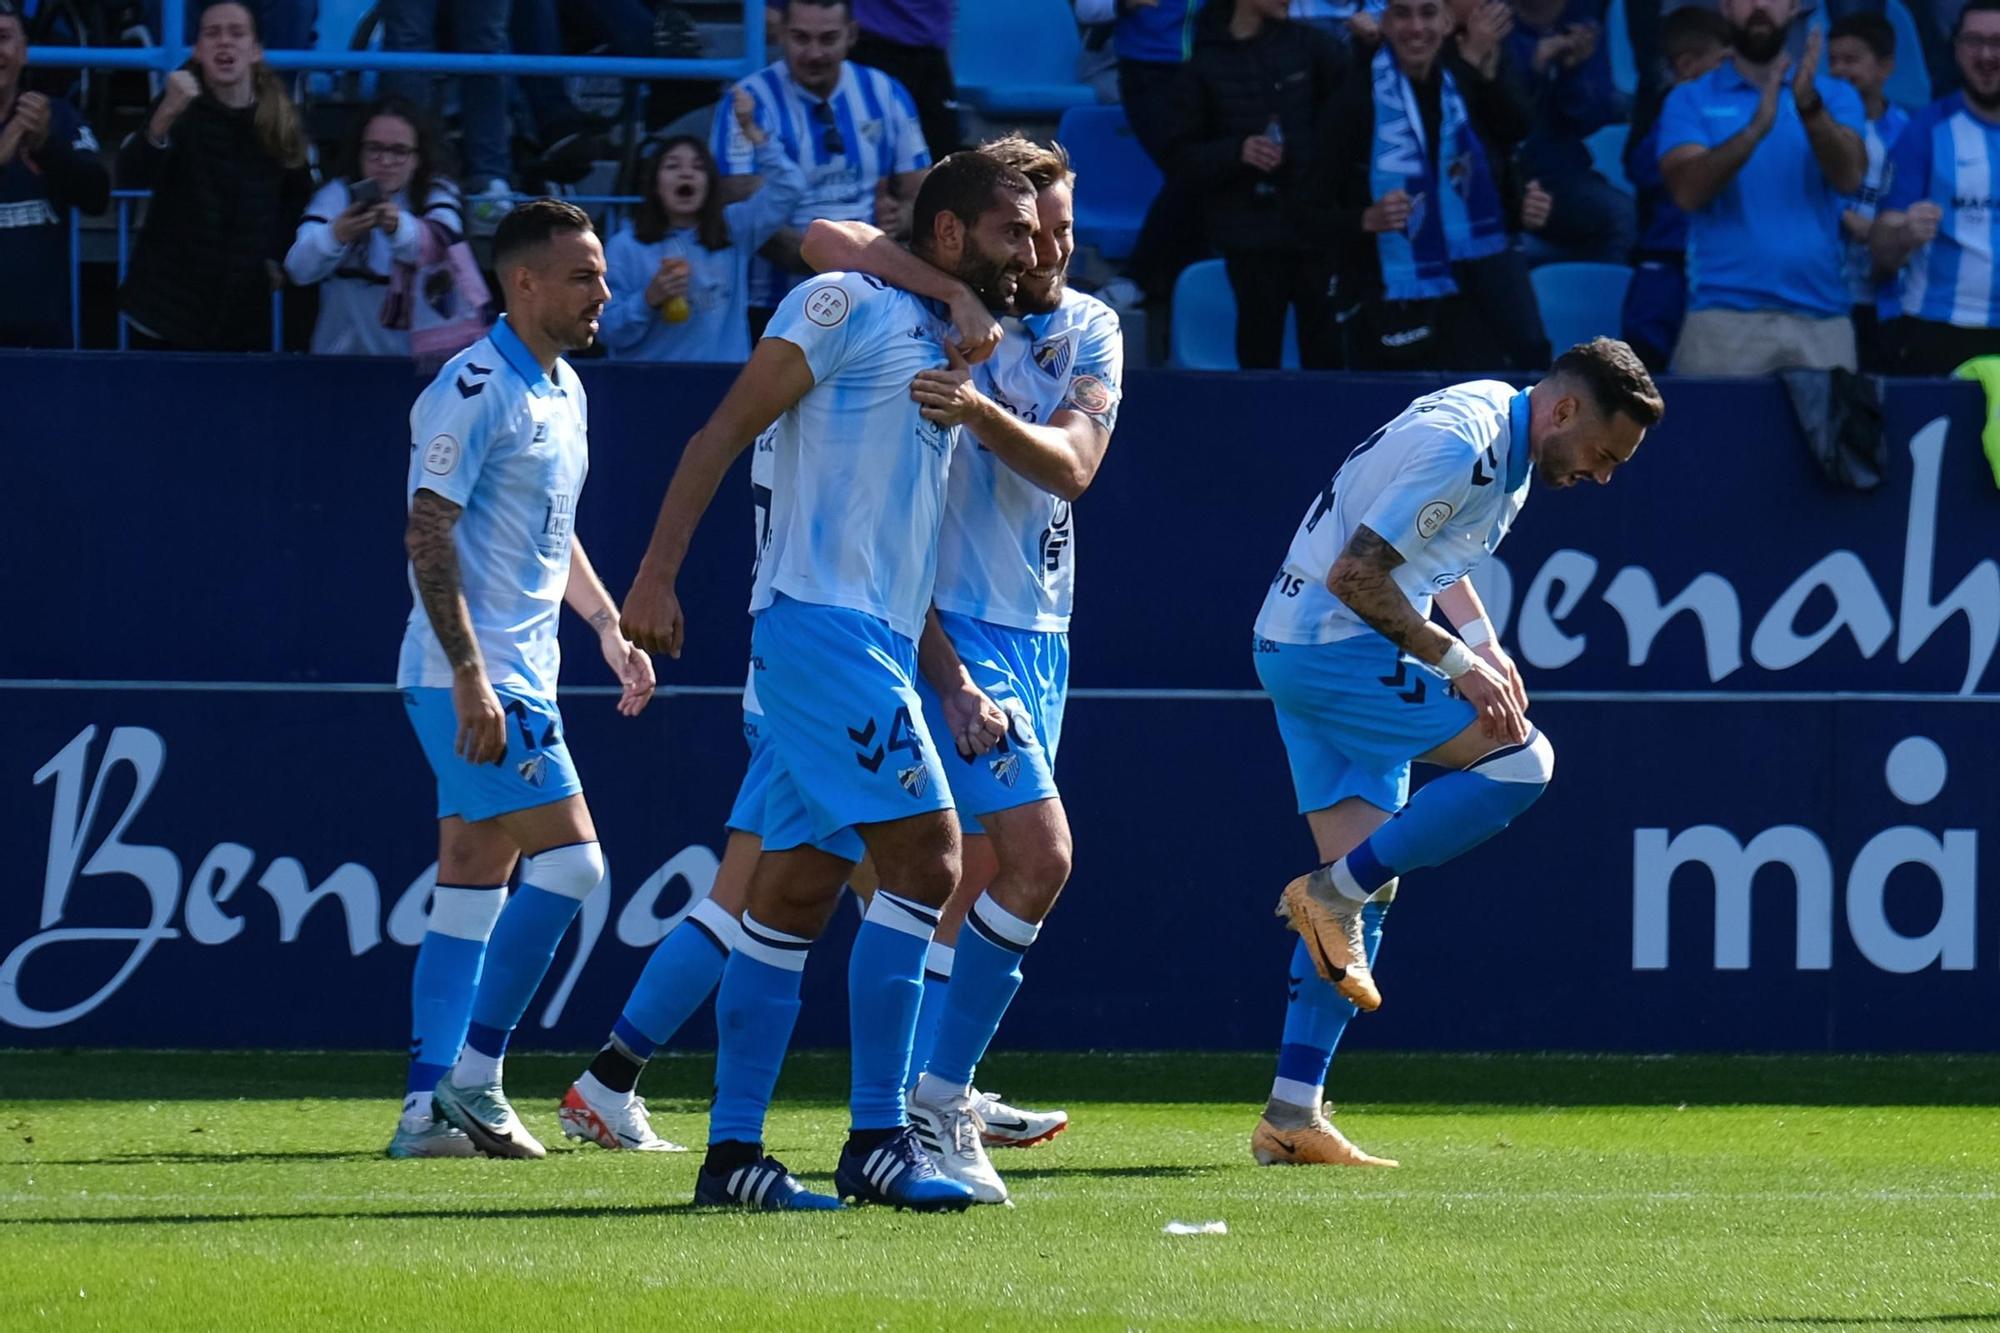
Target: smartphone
point(365, 193)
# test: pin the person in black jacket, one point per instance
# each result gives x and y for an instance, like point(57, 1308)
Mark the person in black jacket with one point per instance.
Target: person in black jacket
point(226, 159)
point(48, 165)
point(1415, 190)
point(1242, 136)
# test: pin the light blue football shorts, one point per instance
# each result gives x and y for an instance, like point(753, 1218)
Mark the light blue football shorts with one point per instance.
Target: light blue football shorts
point(536, 770)
point(1025, 672)
point(747, 815)
point(1353, 714)
point(845, 725)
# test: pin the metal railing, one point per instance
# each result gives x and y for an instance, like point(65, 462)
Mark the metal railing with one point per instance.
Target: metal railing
point(172, 53)
point(613, 207)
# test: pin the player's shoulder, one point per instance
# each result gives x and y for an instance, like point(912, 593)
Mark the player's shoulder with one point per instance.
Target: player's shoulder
point(1469, 415)
point(1084, 311)
point(834, 298)
point(463, 389)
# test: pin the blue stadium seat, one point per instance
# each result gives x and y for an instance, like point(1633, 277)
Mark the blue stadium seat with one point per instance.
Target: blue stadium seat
point(1204, 332)
point(1018, 57)
point(1119, 180)
point(1910, 85)
point(1580, 301)
point(1607, 154)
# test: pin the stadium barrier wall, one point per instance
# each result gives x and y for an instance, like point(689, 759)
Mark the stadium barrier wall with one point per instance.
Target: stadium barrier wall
point(1774, 707)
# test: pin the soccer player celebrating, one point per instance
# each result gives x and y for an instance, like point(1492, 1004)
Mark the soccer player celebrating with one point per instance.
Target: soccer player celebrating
point(841, 599)
point(498, 458)
point(1039, 416)
point(1346, 647)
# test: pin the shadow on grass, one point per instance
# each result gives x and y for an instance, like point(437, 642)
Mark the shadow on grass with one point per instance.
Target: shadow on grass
point(580, 1212)
point(213, 1158)
point(1870, 1321)
point(1407, 1083)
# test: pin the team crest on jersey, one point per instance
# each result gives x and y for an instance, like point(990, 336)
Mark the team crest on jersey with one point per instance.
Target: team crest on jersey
point(916, 780)
point(534, 770)
point(1053, 356)
point(1006, 767)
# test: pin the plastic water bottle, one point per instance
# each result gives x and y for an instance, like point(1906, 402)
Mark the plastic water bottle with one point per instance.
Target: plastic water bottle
point(1275, 132)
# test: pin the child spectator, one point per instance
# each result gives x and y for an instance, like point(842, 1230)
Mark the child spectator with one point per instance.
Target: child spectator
point(680, 273)
point(1861, 49)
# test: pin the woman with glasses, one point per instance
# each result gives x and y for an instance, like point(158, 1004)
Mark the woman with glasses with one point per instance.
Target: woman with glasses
point(680, 273)
point(367, 222)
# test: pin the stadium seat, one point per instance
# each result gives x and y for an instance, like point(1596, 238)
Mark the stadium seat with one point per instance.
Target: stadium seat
point(1018, 57)
point(1910, 84)
point(1119, 179)
point(1607, 154)
point(1204, 332)
point(1580, 301)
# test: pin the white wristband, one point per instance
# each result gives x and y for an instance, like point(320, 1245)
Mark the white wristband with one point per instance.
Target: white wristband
point(1457, 660)
point(1476, 632)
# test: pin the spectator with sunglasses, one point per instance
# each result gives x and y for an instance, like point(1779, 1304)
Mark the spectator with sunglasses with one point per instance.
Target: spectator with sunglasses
point(853, 131)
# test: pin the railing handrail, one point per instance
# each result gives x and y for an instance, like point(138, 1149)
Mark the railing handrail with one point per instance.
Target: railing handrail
point(172, 53)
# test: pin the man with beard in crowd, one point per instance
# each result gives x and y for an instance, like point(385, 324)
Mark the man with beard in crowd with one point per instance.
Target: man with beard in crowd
point(1759, 153)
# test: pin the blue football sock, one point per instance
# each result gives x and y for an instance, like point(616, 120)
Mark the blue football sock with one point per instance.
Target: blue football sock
point(682, 972)
point(755, 1009)
point(1449, 817)
point(447, 976)
point(984, 978)
point(1315, 1017)
point(937, 990)
point(884, 987)
point(553, 886)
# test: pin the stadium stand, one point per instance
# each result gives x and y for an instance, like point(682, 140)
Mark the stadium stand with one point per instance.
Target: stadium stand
point(1580, 301)
point(1122, 179)
point(1018, 58)
point(1204, 330)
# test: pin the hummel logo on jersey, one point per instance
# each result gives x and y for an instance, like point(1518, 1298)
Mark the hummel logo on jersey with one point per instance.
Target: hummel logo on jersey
point(1412, 695)
point(471, 388)
point(865, 737)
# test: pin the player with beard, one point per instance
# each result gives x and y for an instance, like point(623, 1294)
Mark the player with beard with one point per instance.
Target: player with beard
point(1760, 154)
point(497, 461)
point(1938, 213)
point(1356, 669)
point(1038, 417)
point(842, 596)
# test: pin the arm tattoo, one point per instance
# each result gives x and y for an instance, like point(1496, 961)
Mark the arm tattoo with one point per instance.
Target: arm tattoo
point(434, 558)
point(1362, 578)
point(602, 621)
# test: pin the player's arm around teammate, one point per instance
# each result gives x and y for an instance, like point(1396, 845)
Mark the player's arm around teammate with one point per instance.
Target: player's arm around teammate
point(860, 247)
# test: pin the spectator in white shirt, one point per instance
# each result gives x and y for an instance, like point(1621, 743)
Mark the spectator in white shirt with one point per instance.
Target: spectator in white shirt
point(366, 221)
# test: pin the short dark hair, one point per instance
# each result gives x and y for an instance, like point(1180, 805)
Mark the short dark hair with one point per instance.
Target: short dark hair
point(534, 224)
point(1616, 378)
point(1043, 164)
point(964, 184)
point(789, 5)
point(1871, 30)
point(1973, 7)
point(1692, 31)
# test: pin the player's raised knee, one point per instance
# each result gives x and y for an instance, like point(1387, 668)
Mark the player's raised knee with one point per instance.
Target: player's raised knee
point(1528, 767)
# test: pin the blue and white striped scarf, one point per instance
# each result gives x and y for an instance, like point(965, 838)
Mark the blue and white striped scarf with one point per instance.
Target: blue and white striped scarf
point(1459, 221)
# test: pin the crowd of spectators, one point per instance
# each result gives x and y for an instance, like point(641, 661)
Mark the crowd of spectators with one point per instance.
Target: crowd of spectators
point(1381, 174)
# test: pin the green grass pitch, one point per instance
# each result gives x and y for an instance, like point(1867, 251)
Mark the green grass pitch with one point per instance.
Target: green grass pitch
point(246, 1191)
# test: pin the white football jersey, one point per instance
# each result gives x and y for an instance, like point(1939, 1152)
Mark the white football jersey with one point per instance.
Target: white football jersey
point(857, 474)
point(1441, 483)
point(506, 443)
point(1007, 552)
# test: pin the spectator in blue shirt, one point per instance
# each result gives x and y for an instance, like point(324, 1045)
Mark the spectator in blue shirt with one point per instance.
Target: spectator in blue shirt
point(680, 273)
point(1556, 47)
point(1941, 212)
point(1693, 41)
point(1861, 50)
point(1760, 153)
point(48, 165)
